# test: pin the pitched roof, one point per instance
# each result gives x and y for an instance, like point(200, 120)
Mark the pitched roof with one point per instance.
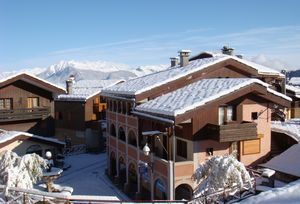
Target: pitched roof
point(294, 89)
point(148, 82)
point(6, 136)
point(85, 89)
point(289, 127)
point(31, 79)
point(198, 94)
point(287, 162)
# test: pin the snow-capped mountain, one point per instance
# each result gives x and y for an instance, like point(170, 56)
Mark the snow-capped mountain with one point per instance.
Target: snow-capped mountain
point(88, 70)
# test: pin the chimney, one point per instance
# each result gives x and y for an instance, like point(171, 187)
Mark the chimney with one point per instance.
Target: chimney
point(227, 50)
point(239, 56)
point(69, 84)
point(283, 82)
point(184, 57)
point(174, 61)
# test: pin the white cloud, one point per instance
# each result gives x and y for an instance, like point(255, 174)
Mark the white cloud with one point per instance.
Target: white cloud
point(280, 44)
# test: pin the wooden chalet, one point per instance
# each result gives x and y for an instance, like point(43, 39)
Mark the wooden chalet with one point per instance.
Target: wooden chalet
point(210, 104)
point(27, 104)
point(80, 114)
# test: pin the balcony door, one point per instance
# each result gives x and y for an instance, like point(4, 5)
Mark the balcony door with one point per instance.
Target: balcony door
point(32, 102)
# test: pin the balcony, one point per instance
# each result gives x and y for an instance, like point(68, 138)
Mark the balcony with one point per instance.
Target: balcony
point(232, 132)
point(23, 114)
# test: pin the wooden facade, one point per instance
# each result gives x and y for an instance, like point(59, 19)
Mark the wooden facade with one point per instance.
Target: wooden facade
point(74, 118)
point(29, 104)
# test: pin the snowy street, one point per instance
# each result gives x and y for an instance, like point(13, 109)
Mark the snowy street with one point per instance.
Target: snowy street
point(87, 176)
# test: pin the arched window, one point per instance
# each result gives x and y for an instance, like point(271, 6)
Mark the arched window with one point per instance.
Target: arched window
point(122, 134)
point(112, 130)
point(119, 107)
point(132, 138)
point(124, 107)
point(115, 106)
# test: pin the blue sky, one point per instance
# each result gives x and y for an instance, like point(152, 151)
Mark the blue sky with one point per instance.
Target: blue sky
point(35, 33)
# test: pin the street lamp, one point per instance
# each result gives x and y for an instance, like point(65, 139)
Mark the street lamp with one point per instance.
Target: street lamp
point(146, 149)
point(48, 155)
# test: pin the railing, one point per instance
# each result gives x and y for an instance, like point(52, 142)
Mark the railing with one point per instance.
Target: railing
point(24, 114)
point(230, 194)
point(233, 131)
point(30, 196)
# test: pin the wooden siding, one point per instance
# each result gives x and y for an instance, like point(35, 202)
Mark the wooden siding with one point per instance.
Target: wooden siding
point(233, 132)
point(251, 147)
point(37, 120)
point(70, 115)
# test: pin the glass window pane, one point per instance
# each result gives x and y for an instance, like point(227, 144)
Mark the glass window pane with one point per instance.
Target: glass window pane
point(221, 115)
point(229, 113)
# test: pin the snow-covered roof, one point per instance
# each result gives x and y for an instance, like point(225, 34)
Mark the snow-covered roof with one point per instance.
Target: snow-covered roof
point(287, 162)
point(287, 194)
point(198, 94)
point(295, 89)
point(31, 75)
point(295, 81)
point(290, 128)
point(85, 89)
point(9, 135)
point(148, 82)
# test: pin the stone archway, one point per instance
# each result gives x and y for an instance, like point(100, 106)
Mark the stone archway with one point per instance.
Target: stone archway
point(122, 172)
point(132, 180)
point(122, 135)
point(183, 191)
point(159, 190)
point(112, 130)
point(113, 166)
point(132, 138)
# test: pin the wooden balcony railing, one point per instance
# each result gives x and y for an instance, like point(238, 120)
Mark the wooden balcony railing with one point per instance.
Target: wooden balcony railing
point(24, 114)
point(232, 132)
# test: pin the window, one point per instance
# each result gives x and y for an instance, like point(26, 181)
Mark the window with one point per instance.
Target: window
point(226, 114)
point(251, 146)
point(32, 102)
point(230, 114)
point(5, 103)
point(181, 148)
point(221, 115)
point(254, 115)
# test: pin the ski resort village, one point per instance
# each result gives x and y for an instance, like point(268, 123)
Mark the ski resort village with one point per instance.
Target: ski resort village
point(211, 127)
point(149, 102)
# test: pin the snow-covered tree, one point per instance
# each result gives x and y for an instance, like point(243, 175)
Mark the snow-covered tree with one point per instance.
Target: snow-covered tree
point(220, 172)
point(22, 172)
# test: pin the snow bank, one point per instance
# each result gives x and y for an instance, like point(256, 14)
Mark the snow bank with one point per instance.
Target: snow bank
point(287, 194)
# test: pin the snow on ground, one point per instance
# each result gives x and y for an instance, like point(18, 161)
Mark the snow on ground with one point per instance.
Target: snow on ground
point(287, 194)
point(87, 176)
